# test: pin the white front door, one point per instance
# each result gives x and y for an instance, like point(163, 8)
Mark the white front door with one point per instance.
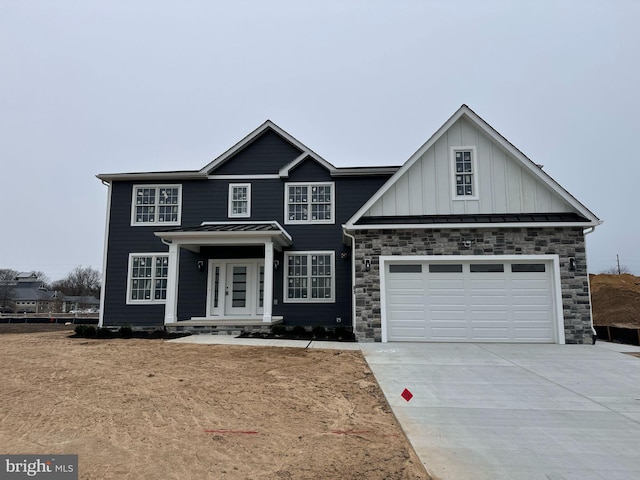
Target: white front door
point(235, 287)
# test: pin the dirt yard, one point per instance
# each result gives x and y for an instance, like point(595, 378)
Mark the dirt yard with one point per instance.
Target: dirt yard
point(615, 300)
point(148, 409)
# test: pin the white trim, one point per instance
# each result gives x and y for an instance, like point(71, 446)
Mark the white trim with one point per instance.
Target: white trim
point(469, 226)
point(470, 115)
point(474, 173)
point(555, 276)
point(308, 299)
point(253, 288)
point(353, 278)
point(310, 185)
point(129, 266)
point(255, 134)
point(230, 200)
point(267, 292)
point(157, 187)
point(103, 287)
point(244, 177)
point(284, 171)
point(171, 304)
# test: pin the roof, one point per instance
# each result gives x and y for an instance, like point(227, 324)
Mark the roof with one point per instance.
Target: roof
point(211, 233)
point(204, 172)
point(533, 168)
point(474, 219)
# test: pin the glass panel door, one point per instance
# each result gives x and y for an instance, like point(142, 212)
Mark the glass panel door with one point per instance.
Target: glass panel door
point(236, 291)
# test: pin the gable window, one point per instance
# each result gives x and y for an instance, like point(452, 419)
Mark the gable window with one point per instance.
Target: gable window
point(153, 204)
point(239, 200)
point(309, 277)
point(147, 282)
point(309, 203)
point(464, 172)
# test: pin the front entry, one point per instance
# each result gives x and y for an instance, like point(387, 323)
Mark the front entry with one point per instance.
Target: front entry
point(235, 288)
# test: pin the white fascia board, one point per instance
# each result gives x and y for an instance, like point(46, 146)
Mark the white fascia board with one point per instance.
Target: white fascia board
point(266, 176)
point(255, 134)
point(363, 171)
point(533, 168)
point(406, 166)
point(284, 171)
point(458, 226)
point(183, 175)
point(498, 138)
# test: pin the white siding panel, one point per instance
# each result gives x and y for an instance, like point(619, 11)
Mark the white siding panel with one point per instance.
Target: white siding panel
point(430, 205)
point(402, 195)
point(416, 189)
point(528, 192)
point(443, 176)
point(499, 186)
point(514, 191)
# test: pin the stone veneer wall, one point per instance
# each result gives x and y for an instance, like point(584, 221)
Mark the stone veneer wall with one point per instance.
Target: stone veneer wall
point(565, 242)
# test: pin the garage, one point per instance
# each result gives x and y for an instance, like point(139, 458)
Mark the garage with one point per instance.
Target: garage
point(471, 299)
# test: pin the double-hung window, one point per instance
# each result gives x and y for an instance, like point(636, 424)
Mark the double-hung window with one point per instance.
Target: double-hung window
point(147, 278)
point(239, 200)
point(154, 204)
point(464, 173)
point(309, 203)
point(309, 277)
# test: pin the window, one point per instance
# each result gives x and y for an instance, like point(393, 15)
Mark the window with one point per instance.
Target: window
point(147, 278)
point(464, 172)
point(154, 204)
point(309, 203)
point(405, 268)
point(486, 268)
point(445, 268)
point(239, 200)
point(309, 277)
point(527, 267)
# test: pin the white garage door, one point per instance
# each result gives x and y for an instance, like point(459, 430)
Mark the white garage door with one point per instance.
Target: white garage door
point(470, 301)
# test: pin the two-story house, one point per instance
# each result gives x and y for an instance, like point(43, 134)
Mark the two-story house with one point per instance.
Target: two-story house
point(468, 241)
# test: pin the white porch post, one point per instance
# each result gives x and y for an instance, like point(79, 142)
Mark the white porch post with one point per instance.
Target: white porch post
point(171, 304)
point(268, 282)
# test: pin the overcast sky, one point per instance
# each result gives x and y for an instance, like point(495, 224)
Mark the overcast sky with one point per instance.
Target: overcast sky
point(90, 87)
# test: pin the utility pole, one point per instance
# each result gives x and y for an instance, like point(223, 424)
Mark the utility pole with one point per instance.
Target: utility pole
point(618, 260)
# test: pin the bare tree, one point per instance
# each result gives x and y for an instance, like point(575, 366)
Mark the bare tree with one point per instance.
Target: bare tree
point(7, 284)
point(80, 281)
point(618, 270)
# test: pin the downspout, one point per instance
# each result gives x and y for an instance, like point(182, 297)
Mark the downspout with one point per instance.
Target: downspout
point(104, 255)
point(353, 278)
point(593, 330)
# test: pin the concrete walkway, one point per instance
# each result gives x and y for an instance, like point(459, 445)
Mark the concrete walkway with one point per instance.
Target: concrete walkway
point(506, 412)
point(516, 412)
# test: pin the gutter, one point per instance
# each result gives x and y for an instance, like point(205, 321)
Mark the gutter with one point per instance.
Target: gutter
point(353, 277)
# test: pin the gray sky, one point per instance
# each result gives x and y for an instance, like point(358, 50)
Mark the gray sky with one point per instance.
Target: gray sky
point(90, 87)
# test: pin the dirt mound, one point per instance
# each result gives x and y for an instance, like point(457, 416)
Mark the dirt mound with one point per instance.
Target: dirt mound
point(615, 299)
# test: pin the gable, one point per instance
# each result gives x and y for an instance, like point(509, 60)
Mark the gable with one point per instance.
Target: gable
point(504, 180)
point(266, 154)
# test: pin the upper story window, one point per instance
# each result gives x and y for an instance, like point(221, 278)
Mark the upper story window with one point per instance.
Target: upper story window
point(239, 200)
point(147, 281)
point(464, 173)
point(309, 203)
point(153, 204)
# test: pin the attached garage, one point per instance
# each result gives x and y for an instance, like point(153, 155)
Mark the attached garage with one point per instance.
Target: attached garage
point(514, 299)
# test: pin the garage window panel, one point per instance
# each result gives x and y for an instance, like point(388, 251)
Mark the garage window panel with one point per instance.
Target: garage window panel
point(445, 268)
point(405, 268)
point(528, 267)
point(486, 268)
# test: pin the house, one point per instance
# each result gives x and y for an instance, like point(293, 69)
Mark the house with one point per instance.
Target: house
point(29, 294)
point(468, 240)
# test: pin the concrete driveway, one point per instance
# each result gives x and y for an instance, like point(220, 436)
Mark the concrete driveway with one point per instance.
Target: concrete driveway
point(516, 412)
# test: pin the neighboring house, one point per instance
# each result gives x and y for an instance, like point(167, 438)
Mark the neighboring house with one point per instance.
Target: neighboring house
point(30, 295)
point(468, 241)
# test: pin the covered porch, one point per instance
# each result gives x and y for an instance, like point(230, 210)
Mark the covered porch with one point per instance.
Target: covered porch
point(240, 288)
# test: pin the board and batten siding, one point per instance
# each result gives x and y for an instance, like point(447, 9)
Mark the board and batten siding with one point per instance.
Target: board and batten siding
point(504, 185)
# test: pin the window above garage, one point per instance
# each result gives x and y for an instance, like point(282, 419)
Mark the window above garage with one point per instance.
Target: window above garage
point(464, 173)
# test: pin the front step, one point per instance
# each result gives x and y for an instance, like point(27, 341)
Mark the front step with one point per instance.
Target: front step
point(223, 326)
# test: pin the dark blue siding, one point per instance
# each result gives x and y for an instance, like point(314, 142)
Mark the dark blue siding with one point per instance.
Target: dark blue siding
point(265, 155)
point(207, 200)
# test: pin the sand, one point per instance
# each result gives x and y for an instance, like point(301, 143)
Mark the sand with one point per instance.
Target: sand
point(148, 409)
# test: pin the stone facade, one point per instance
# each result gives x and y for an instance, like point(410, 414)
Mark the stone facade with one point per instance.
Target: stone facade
point(565, 242)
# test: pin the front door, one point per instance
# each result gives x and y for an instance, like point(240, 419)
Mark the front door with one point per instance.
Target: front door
point(235, 287)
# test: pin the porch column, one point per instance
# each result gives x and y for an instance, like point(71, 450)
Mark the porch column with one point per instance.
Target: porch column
point(268, 282)
point(171, 304)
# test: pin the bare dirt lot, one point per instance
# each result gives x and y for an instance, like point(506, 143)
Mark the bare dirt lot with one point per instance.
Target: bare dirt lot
point(615, 300)
point(148, 409)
